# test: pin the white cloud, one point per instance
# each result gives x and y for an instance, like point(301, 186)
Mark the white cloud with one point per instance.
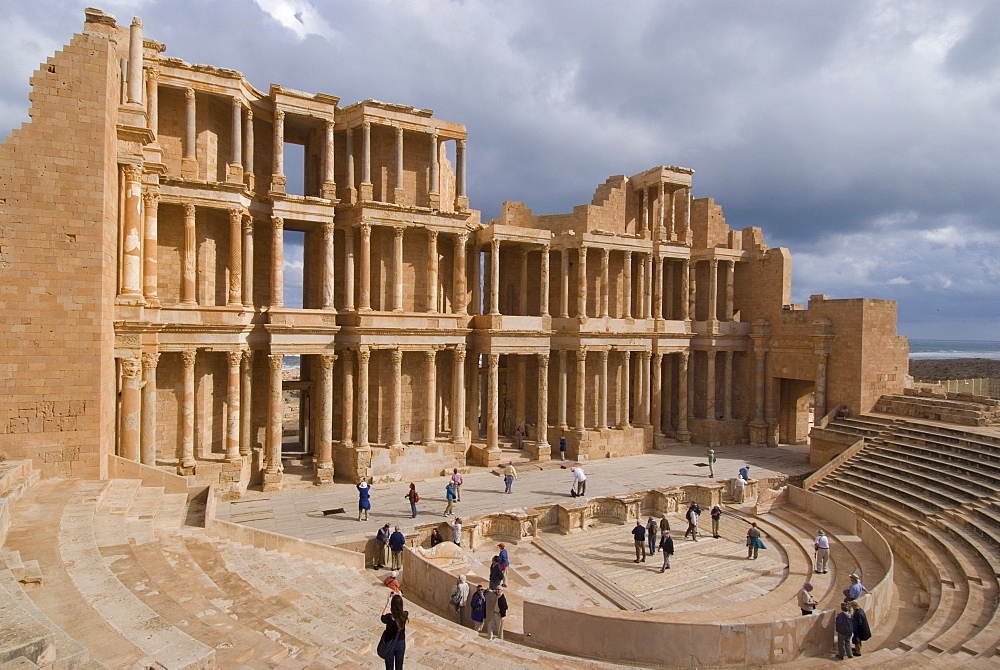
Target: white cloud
point(298, 16)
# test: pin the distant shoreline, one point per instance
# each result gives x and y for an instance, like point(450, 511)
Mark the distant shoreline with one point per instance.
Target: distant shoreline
point(932, 369)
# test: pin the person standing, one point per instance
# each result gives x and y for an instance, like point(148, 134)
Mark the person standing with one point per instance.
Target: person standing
point(562, 448)
point(579, 481)
point(382, 547)
point(845, 633)
point(807, 603)
point(504, 562)
point(711, 463)
point(496, 574)
point(449, 495)
point(667, 547)
point(456, 483)
point(716, 518)
point(414, 498)
point(459, 599)
point(754, 543)
point(496, 610)
point(364, 502)
point(477, 608)
point(509, 475)
point(664, 523)
point(519, 436)
point(639, 534)
point(692, 515)
point(393, 639)
point(396, 543)
point(859, 623)
point(822, 546)
point(456, 531)
point(652, 537)
point(739, 489)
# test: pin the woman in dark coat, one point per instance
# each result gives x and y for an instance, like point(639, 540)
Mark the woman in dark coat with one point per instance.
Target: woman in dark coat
point(395, 632)
point(862, 631)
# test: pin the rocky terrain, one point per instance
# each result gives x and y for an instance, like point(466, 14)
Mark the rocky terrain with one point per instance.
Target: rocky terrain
point(954, 368)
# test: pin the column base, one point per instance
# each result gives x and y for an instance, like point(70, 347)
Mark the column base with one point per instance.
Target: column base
point(324, 473)
point(189, 167)
point(462, 203)
point(234, 173)
point(249, 181)
point(683, 436)
point(758, 433)
point(350, 195)
point(434, 200)
point(278, 184)
point(367, 191)
point(328, 191)
point(272, 480)
point(539, 451)
point(230, 479)
point(186, 469)
point(131, 299)
point(398, 195)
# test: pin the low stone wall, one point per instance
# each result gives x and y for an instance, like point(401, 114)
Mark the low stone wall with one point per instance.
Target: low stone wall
point(958, 408)
point(123, 468)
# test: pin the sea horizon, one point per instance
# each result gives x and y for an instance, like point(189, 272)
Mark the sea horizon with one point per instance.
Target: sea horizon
point(921, 349)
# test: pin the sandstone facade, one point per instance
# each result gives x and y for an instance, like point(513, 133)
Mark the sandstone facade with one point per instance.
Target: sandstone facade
point(145, 214)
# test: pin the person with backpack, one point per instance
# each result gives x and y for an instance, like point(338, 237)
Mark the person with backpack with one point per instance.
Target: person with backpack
point(651, 535)
point(414, 498)
point(692, 515)
point(459, 599)
point(449, 495)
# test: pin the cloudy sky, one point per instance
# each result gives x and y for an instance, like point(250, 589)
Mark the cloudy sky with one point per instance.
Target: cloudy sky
point(863, 135)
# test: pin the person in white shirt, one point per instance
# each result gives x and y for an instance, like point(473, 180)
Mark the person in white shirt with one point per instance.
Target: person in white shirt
point(822, 546)
point(579, 480)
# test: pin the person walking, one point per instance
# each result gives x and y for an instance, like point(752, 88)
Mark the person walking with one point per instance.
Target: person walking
point(392, 644)
point(711, 463)
point(754, 543)
point(364, 501)
point(652, 537)
point(449, 495)
point(477, 608)
point(579, 481)
point(460, 598)
point(667, 547)
point(716, 514)
point(456, 531)
point(859, 622)
point(382, 547)
point(396, 543)
point(639, 534)
point(496, 574)
point(496, 610)
point(807, 603)
point(692, 515)
point(456, 483)
point(562, 448)
point(504, 562)
point(822, 546)
point(845, 632)
point(509, 475)
point(414, 498)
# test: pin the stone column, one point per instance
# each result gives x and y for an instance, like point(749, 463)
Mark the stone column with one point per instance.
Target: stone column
point(187, 462)
point(248, 175)
point(713, 290)
point(686, 290)
point(544, 280)
point(396, 398)
point(147, 436)
point(670, 217)
point(347, 398)
point(647, 288)
point(668, 290)
point(397, 195)
point(522, 297)
point(278, 168)
point(822, 356)
point(135, 62)
point(542, 431)
point(131, 284)
point(477, 284)
point(458, 395)
point(687, 215)
point(461, 300)
point(397, 269)
point(730, 282)
point(349, 269)
point(367, 191)
point(682, 433)
point(430, 412)
point(247, 223)
point(235, 258)
point(494, 276)
point(328, 189)
point(493, 403)
point(364, 354)
point(758, 425)
point(656, 395)
point(188, 151)
point(246, 396)
point(642, 210)
point(627, 298)
point(624, 393)
point(564, 284)
point(658, 288)
point(562, 390)
point(642, 381)
point(277, 261)
point(693, 294)
point(275, 419)
point(189, 269)
point(327, 270)
point(659, 203)
point(150, 200)
point(234, 359)
point(602, 393)
point(324, 422)
point(473, 400)
point(581, 388)
point(352, 190)
point(461, 199)
point(364, 269)
point(666, 392)
point(153, 101)
point(433, 181)
point(520, 401)
point(710, 386)
point(727, 386)
point(235, 171)
point(581, 283)
point(432, 271)
point(604, 283)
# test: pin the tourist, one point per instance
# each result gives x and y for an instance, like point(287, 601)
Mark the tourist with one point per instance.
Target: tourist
point(392, 581)
point(504, 562)
point(845, 633)
point(745, 473)
point(754, 543)
point(414, 498)
point(509, 475)
point(459, 598)
point(519, 436)
point(859, 622)
point(855, 590)
point(664, 524)
point(436, 538)
point(806, 601)
point(477, 608)
point(667, 547)
point(639, 534)
point(739, 489)
point(716, 514)
point(496, 610)
point(449, 495)
point(392, 645)
point(822, 546)
point(456, 531)
point(562, 448)
point(364, 502)
point(579, 481)
point(692, 515)
point(396, 543)
point(456, 483)
point(651, 535)
point(496, 574)
point(382, 547)
point(711, 463)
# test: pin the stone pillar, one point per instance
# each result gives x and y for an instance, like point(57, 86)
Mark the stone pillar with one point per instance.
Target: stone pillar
point(364, 354)
point(234, 359)
point(544, 280)
point(347, 398)
point(189, 268)
point(150, 200)
point(277, 261)
point(131, 286)
point(235, 168)
point(520, 400)
point(671, 223)
point(189, 158)
point(581, 388)
point(432, 271)
point(247, 223)
point(666, 392)
point(458, 395)
point(365, 269)
point(758, 425)
point(349, 269)
point(642, 382)
point(642, 211)
point(727, 386)
point(473, 401)
point(135, 62)
point(659, 202)
point(522, 297)
point(686, 290)
point(730, 281)
point(564, 284)
point(602, 392)
point(562, 390)
point(627, 298)
point(186, 462)
point(248, 175)
point(275, 419)
point(693, 294)
point(682, 433)
point(147, 436)
point(668, 290)
point(153, 101)
point(581, 283)
point(327, 270)
point(624, 393)
point(235, 258)
point(396, 398)
point(324, 422)
point(542, 419)
point(433, 181)
point(430, 412)
point(278, 167)
point(647, 288)
point(822, 356)
point(494, 276)
point(397, 194)
point(460, 300)
point(329, 188)
point(687, 215)
point(605, 285)
point(397, 269)
point(493, 403)
point(710, 385)
point(713, 290)
point(658, 288)
point(656, 396)
point(246, 397)
point(461, 199)
point(352, 190)
point(367, 191)
point(477, 284)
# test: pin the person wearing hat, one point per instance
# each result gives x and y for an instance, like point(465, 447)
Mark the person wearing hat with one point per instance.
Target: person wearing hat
point(822, 547)
point(754, 543)
point(364, 502)
point(806, 601)
point(855, 590)
point(711, 462)
point(382, 546)
point(391, 580)
point(504, 562)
